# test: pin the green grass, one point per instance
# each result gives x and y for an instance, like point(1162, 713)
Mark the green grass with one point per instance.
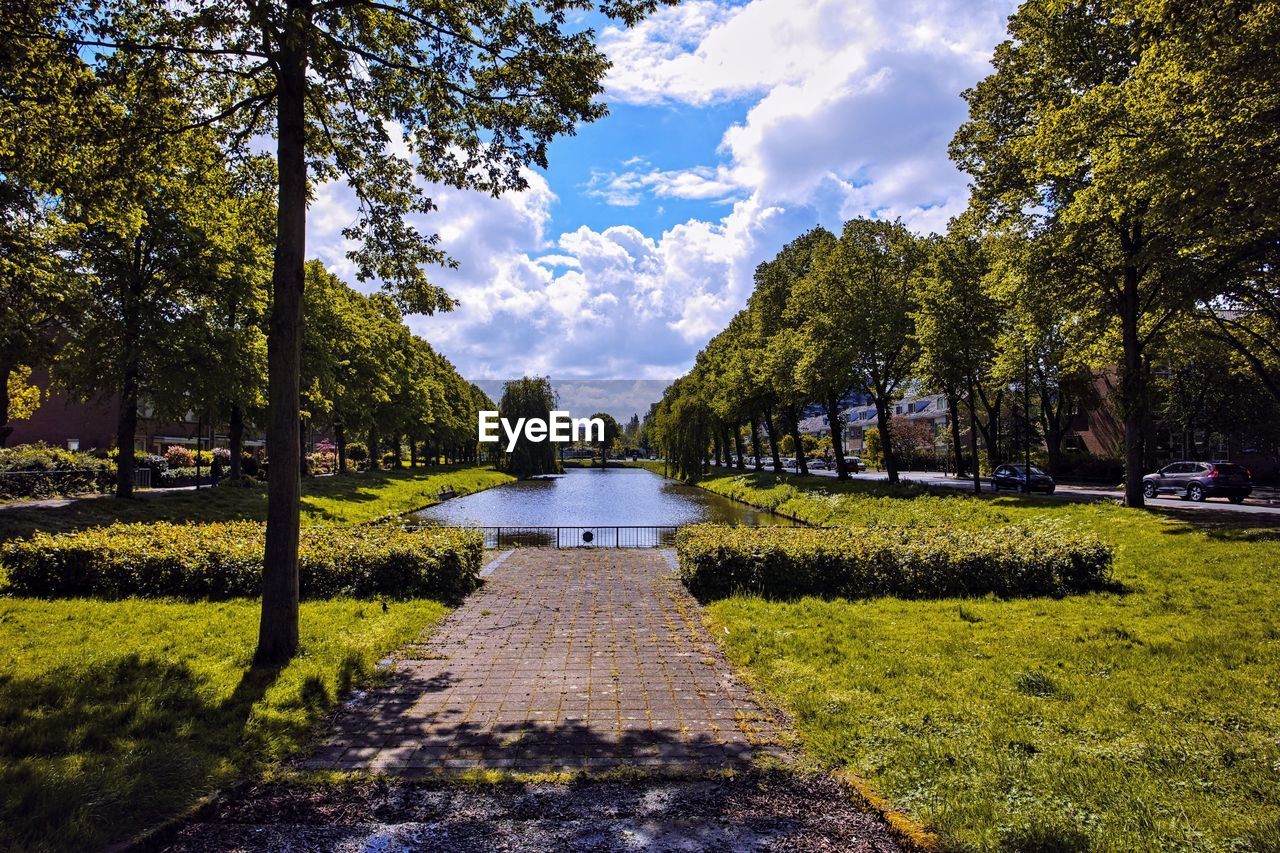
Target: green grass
point(350, 499)
point(1144, 719)
point(116, 715)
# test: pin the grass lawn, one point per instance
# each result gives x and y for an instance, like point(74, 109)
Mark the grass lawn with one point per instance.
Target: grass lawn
point(349, 499)
point(116, 715)
point(1147, 719)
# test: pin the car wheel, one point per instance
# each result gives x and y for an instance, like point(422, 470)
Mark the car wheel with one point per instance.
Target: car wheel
point(1195, 492)
point(1236, 499)
point(1148, 490)
point(1050, 490)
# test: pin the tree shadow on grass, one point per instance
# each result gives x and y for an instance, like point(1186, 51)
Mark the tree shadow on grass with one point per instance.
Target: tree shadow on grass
point(91, 755)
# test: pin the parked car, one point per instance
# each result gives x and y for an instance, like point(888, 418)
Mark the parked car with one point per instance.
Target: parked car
point(788, 463)
point(1199, 480)
point(818, 465)
point(1015, 477)
point(854, 464)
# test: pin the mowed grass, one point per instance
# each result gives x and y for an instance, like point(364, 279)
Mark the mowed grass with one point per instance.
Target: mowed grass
point(1143, 719)
point(349, 499)
point(116, 715)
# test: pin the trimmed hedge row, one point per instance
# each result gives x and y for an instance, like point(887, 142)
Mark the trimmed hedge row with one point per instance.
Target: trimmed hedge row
point(224, 560)
point(865, 562)
point(42, 471)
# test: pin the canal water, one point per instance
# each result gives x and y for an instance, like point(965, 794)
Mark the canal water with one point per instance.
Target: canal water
point(582, 497)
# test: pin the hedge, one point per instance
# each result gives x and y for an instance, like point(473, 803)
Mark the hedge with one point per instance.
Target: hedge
point(224, 560)
point(42, 471)
point(863, 562)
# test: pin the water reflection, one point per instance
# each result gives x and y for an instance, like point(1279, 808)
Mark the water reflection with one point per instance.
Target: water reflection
point(594, 498)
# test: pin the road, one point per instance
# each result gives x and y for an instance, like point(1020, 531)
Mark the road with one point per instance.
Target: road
point(1254, 506)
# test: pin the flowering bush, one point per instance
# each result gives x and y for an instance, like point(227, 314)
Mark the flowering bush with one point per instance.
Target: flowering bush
point(179, 457)
point(224, 560)
point(939, 561)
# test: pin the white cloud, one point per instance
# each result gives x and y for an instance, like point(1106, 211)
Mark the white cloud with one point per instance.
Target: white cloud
point(850, 106)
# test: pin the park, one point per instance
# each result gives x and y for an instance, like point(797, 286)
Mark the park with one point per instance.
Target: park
point(952, 522)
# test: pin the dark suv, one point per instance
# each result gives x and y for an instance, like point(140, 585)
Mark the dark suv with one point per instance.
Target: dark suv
point(1015, 477)
point(1199, 480)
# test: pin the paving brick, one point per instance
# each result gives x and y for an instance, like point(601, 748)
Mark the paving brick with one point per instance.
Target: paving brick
point(565, 660)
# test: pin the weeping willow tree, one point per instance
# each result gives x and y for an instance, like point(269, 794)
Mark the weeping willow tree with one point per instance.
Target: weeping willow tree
point(528, 398)
point(682, 429)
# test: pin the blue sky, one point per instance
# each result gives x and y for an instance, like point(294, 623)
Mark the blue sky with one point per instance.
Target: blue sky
point(734, 127)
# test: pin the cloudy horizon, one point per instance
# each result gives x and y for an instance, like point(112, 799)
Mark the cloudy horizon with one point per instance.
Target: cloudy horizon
point(734, 127)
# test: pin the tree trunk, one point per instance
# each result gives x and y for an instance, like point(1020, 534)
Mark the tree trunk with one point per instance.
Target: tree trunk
point(835, 423)
point(235, 440)
point(793, 424)
point(771, 430)
point(397, 450)
point(884, 413)
point(755, 442)
point(278, 630)
point(1131, 390)
point(126, 429)
point(724, 442)
point(738, 448)
point(413, 453)
point(375, 461)
point(953, 415)
point(340, 444)
point(6, 370)
point(973, 446)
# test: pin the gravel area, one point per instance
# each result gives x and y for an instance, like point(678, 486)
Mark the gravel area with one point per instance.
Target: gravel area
point(759, 810)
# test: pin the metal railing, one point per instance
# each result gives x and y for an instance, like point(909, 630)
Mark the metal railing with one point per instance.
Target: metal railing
point(591, 536)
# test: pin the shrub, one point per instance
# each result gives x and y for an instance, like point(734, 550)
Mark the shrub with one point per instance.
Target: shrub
point(41, 471)
point(357, 452)
point(1023, 559)
point(224, 560)
point(223, 453)
point(179, 457)
point(321, 462)
point(180, 476)
point(249, 464)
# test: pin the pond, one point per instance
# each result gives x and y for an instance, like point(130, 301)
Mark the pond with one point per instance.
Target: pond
point(595, 498)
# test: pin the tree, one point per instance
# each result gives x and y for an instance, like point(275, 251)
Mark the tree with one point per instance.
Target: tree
point(610, 437)
point(957, 325)
point(1065, 133)
point(528, 398)
point(476, 91)
point(870, 274)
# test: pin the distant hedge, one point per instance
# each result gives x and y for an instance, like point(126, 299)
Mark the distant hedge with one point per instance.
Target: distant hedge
point(224, 560)
point(863, 562)
point(42, 471)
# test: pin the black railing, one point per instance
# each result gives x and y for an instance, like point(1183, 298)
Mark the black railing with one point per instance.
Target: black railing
point(593, 536)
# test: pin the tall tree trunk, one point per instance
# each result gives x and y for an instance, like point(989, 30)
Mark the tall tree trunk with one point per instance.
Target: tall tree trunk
point(235, 440)
point(6, 371)
point(340, 444)
point(715, 447)
point(724, 442)
point(953, 415)
point(413, 453)
point(973, 445)
point(738, 448)
point(375, 458)
point(1131, 390)
point(302, 448)
point(278, 630)
point(836, 424)
point(755, 442)
point(126, 429)
point(396, 450)
point(771, 429)
point(884, 414)
point(793, 425)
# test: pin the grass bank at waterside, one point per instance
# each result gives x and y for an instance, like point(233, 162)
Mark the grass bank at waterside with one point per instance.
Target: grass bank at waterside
point(1144, 717)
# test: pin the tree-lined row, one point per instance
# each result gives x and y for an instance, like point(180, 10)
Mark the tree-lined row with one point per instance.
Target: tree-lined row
point(1124, 218)
point(147, 280)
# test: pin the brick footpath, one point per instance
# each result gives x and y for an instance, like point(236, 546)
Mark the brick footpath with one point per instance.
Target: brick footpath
point(565, 660)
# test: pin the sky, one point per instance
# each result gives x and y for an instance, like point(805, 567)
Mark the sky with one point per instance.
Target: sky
point(734, 127)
